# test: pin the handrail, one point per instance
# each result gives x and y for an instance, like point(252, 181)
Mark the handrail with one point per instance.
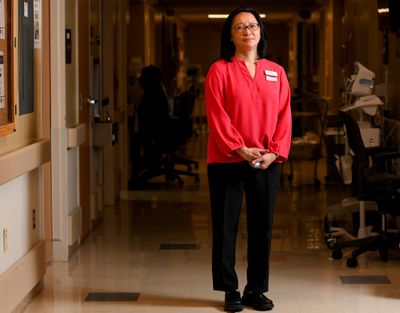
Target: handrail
point(23, 160)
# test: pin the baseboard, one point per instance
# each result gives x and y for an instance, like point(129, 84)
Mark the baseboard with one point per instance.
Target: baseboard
point(22, 278)
point(20, 308)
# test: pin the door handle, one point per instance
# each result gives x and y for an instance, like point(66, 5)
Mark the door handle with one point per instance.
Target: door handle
point(91, 101)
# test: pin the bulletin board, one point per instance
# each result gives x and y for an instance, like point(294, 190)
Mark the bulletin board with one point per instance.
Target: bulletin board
point(26, 45)
point(7, 111)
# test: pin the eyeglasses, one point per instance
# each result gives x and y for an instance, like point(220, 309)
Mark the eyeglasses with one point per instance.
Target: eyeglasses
point(240, 28)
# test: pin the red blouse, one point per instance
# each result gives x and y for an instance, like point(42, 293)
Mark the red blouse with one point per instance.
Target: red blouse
point(246, 111)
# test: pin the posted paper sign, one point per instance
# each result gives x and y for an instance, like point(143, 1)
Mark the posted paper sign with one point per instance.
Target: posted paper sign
point(2, 21)
point(36, 23)
point(26, 8)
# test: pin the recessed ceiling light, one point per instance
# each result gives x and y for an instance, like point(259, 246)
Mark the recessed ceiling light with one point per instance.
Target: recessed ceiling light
point(226, 15)
point(383, 10)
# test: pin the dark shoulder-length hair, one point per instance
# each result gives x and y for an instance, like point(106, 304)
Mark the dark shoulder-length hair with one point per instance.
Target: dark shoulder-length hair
point(227, 46)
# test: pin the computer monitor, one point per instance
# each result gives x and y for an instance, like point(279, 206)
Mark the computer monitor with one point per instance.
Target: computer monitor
point(362, 81)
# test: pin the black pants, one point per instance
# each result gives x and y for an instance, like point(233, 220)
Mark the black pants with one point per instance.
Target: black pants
point(227, 183)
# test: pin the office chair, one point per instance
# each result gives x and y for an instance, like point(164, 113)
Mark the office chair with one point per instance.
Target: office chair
point(183, 116)
point(161, 156)
point(371, 181)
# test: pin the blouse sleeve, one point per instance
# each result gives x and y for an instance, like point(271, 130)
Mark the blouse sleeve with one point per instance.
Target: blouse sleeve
point(280, 143)
point(223, 132)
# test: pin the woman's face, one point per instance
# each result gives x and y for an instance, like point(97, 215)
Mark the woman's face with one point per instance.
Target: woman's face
point(245, 32)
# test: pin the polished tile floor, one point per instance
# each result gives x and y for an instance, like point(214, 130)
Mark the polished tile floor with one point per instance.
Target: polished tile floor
point(151, 253)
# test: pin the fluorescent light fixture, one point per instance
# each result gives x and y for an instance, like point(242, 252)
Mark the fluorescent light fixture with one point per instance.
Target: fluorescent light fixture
point(217, 15)
point(383, 10)
point(226, 15)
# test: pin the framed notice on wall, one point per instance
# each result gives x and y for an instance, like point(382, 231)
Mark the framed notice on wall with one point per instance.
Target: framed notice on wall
point(7, 111)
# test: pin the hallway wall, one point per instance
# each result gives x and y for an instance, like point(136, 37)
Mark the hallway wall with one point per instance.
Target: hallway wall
point(202, 44)
point(24, 178)
point(393, 101)
point(16, 216)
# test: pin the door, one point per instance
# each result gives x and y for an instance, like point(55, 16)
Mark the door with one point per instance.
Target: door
point(84, 114)
point(89, 34)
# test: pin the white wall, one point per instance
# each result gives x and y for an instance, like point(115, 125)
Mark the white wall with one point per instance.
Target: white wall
point(73, 179)
point(65, 161)
point(18, 199)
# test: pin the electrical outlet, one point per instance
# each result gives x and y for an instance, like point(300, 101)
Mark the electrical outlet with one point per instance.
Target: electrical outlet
point(5, 240)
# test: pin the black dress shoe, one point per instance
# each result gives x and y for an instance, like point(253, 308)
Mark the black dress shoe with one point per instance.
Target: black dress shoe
point(257, 301)
point(232, 301)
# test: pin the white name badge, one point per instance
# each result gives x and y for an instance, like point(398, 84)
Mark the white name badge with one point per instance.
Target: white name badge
point(271, 73)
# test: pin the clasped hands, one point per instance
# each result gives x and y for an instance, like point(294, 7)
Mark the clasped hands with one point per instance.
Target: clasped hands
point(258, 158)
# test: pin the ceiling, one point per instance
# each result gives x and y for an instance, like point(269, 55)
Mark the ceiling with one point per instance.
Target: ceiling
point(196, 10)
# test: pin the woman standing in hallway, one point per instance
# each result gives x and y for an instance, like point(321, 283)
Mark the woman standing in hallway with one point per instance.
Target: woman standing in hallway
point(248, 112)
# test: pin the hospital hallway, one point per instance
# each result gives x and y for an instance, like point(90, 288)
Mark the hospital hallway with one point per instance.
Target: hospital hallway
point(152, 253)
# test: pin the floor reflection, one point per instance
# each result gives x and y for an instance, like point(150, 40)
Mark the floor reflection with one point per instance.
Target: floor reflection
point(123, 254)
